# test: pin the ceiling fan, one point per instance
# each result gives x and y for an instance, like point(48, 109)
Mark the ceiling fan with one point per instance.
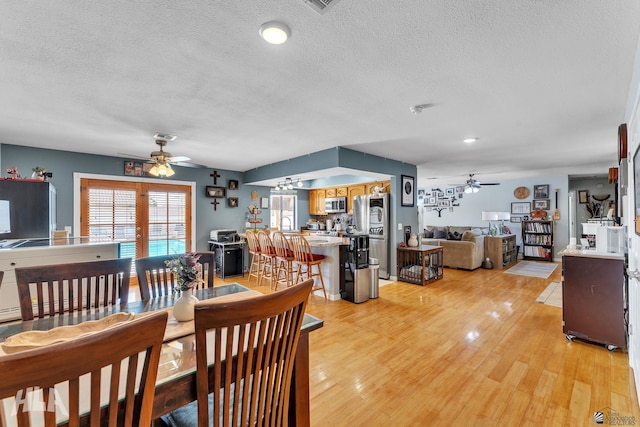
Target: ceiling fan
point(472, 185)
point(162, 160)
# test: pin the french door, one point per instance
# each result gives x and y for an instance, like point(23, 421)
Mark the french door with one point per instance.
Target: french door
point(147, 219)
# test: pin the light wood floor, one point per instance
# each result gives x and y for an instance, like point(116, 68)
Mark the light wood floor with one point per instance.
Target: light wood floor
point(473, 349)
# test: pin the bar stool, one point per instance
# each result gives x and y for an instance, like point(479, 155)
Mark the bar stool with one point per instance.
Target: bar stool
point(284, 259)
point(255, 269)
point(306, 260)
point(268, 252)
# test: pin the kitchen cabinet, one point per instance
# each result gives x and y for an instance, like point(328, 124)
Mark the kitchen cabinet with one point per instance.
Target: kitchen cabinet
point(594, 299)
point(316, 202)
point(352, 191)
point(385, 185)
point(336, 192)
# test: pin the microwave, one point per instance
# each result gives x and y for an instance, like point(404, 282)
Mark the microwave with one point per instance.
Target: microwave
point(335, 205)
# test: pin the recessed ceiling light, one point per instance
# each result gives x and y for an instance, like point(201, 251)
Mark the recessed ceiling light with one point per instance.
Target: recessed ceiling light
point(274, 32)
point(470, 140)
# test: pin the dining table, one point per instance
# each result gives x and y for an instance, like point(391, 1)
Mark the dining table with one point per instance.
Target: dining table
point(176, 380)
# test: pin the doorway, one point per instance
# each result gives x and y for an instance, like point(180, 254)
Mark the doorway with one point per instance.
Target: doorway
point(146, 218)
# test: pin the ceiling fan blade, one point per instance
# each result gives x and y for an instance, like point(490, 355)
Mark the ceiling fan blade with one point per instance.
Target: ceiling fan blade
point(133, 156)
point(176, 159)
point(489, 183)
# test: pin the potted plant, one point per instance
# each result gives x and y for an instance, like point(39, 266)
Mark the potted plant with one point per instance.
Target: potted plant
point(39, 173)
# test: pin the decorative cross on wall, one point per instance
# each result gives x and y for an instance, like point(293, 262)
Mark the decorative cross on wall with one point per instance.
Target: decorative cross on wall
point(215, 204)
point(215, 176)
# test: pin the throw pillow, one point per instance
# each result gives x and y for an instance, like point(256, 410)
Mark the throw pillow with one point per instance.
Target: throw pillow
point(428, 233)
point(454, 236)
point(476, 231)
point(468, 236)
point(439, 233)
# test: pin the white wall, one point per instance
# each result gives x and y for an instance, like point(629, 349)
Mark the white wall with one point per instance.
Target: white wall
point(632, 118)
point(499, 198)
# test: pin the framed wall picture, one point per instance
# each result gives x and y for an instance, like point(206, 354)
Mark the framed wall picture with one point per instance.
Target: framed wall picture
point(541, 191)
point(132, 168)
point(444, 203)
point(232, 202)
point(520, 208)
point(516, 219)
point(264, 203)
point(450, 191)
point(431, 201)
point(541, 204)
point(583, 196)
point(217, 192)
point(233, 184)
point(408, 190)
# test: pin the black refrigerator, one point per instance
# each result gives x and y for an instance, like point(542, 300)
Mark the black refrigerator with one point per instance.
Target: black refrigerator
point(27, 209)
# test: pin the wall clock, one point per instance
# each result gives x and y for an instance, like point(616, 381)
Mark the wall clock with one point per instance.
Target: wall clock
point(521, 192)
point(622, 142)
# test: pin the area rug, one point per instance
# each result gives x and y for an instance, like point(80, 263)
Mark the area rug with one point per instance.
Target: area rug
point(533, 269)
point(552, 295)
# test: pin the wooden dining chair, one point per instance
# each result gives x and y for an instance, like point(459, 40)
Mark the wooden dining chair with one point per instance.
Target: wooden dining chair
point(155, 279)
point(257, 392)
point(73, 286)
point(284, 259)
point(268, 252)
point(102, 398)
point(255, 268)
point(306, 261)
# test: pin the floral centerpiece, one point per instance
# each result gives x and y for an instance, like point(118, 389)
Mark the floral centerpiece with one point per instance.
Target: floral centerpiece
point(187, 269)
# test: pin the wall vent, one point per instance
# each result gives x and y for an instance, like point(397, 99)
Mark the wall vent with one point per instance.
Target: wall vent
point(321, 6)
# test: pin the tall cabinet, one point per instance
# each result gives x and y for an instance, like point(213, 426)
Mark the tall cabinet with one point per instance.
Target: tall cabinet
point(537, 240)
point(594, 300)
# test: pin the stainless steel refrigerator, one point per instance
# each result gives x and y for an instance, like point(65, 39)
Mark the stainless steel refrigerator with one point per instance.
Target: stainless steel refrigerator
point(371, 215)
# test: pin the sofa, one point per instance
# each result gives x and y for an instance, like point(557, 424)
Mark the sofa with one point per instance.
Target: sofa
point(463, 247)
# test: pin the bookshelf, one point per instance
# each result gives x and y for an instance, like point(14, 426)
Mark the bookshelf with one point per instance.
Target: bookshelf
point(501, 250)
point(537, 240)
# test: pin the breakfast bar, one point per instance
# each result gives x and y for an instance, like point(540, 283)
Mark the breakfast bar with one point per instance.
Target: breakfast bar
point(329, 247)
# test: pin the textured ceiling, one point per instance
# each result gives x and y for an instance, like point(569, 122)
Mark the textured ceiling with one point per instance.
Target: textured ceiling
point(542, 83)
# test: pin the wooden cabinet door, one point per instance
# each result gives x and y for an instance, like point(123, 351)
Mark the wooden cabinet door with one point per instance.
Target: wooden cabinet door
point(341, 192)
point(330, 192)
point(313, 202)
point(354, 190)
point(320, 196)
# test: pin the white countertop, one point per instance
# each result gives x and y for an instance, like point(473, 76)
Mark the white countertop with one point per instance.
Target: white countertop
point(591, 253)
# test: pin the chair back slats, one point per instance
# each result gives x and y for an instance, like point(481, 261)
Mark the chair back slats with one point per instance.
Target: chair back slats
point(156, 280)
point(252, 241)
point(301, 248)
point(262, 332)
point(73, 287)
point(126, 349)
point(266, 245)
point(282, 246)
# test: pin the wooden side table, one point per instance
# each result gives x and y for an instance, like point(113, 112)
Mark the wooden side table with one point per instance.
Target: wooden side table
point(420, 265)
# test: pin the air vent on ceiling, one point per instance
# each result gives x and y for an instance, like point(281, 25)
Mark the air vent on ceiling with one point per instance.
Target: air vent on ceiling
point(321, 6)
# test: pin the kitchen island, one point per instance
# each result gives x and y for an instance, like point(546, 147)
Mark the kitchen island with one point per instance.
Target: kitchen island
point(330, 267)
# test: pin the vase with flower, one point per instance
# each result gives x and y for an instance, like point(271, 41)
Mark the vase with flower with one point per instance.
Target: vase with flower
point(188, 272)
